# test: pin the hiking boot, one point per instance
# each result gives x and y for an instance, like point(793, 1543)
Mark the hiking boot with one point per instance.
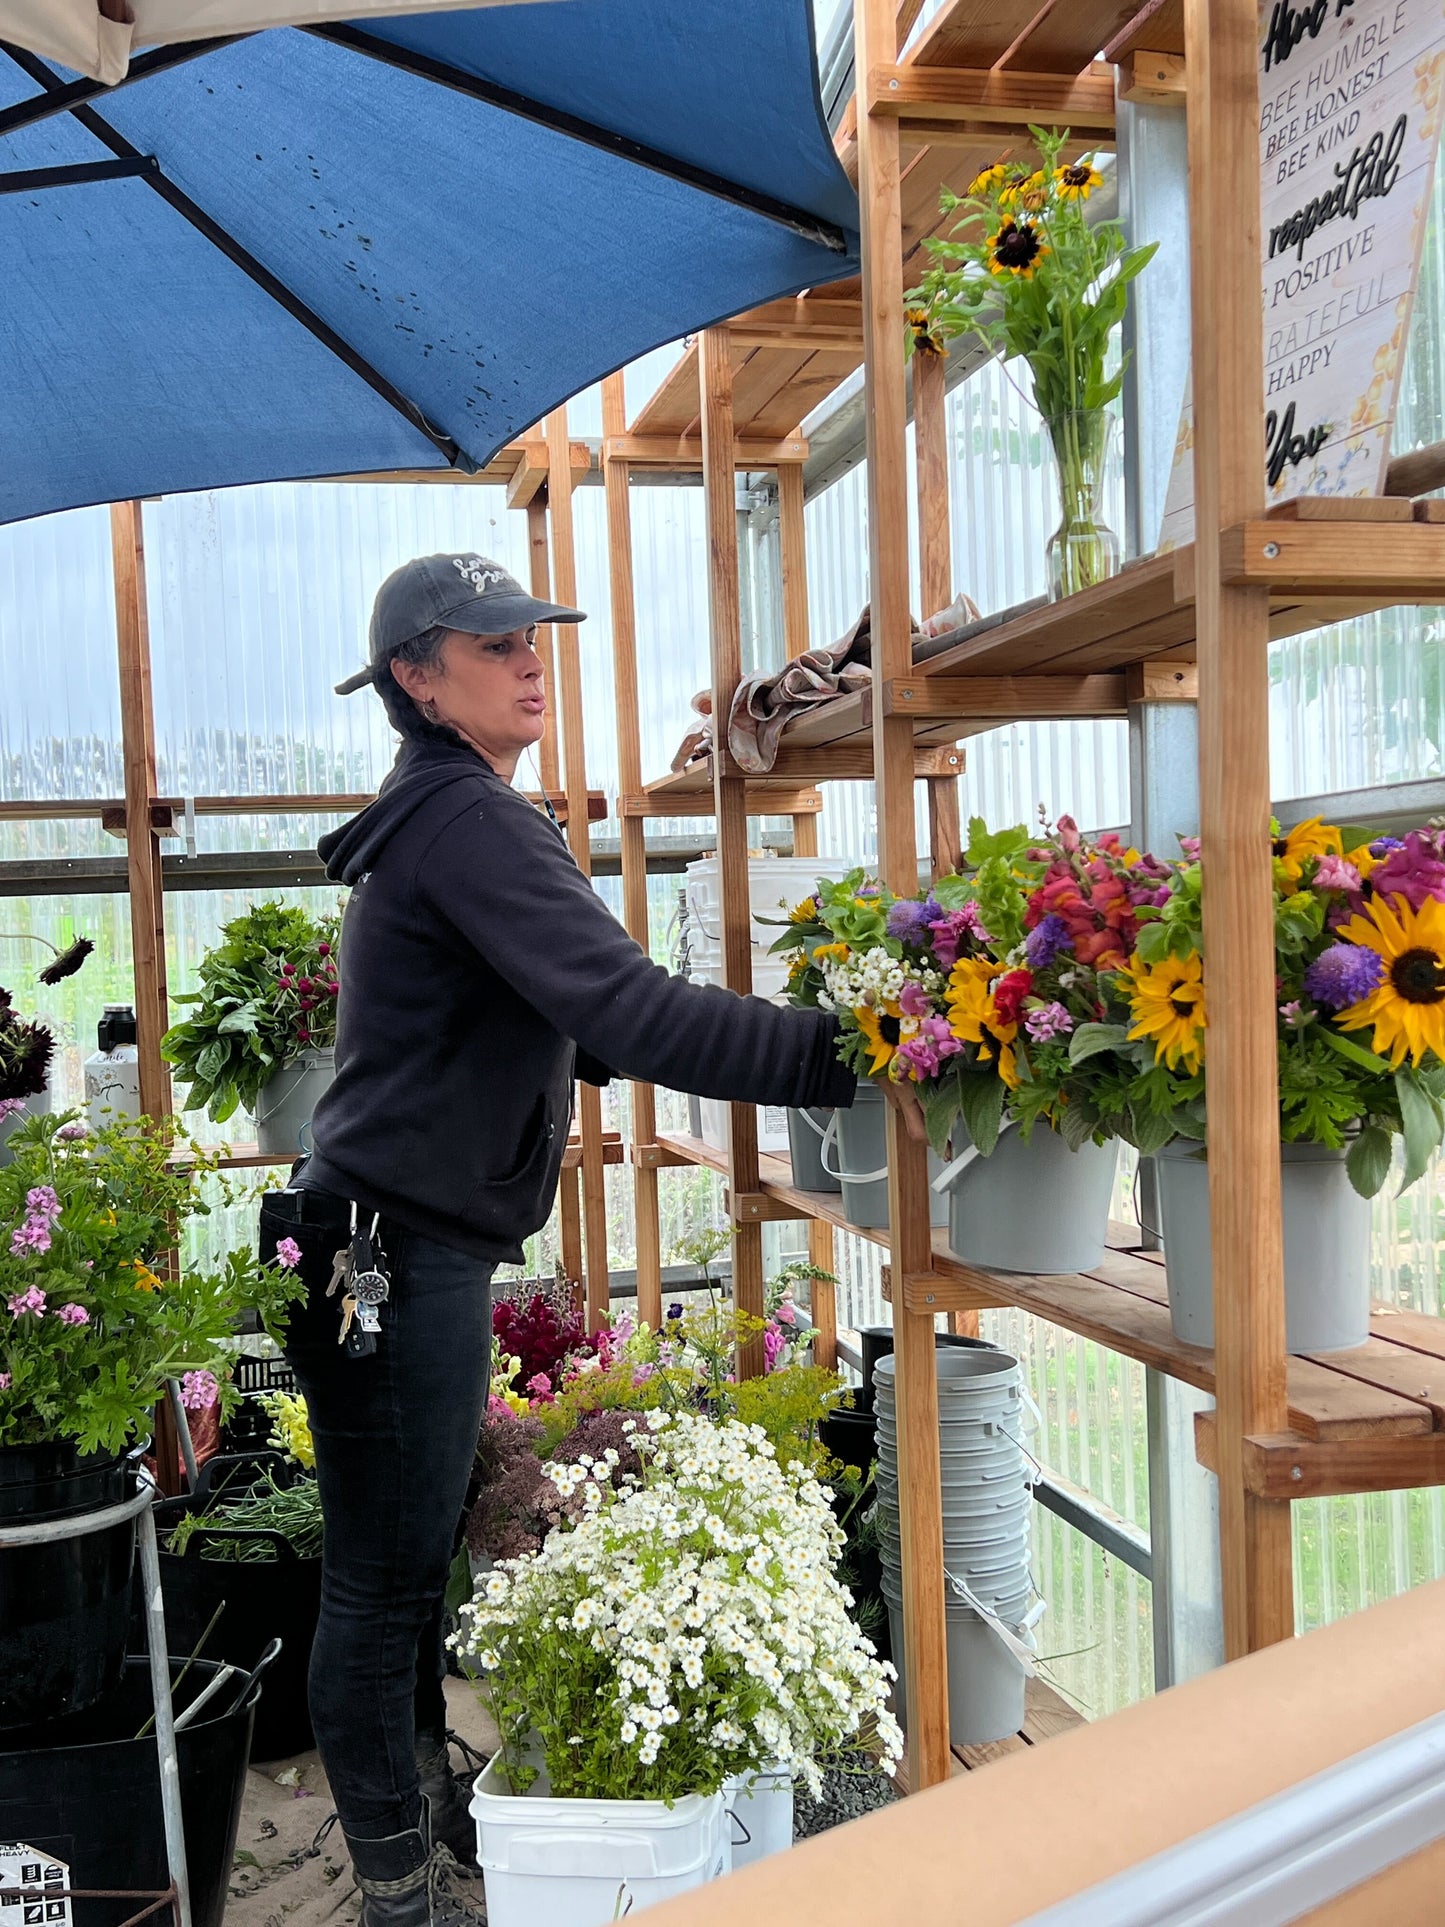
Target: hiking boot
point(448, 1794)
point(433, 1891)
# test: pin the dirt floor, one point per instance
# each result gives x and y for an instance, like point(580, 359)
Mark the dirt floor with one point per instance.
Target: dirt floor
point(280, 1877)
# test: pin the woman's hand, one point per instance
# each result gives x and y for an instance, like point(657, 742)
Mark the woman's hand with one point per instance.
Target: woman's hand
point(904, 1100)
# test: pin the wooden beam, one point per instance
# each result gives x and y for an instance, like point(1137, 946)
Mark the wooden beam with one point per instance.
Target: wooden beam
point(569, 664)
point(1283, 1466)
point(730, 805)
point(785, 800)
point(143, 850)
point(1233, 634)
point(530, 475)
point(759, 1207)
point(616, 481)
point(1152, 80)
point(685, 451)
point(808, 338)
point(1006, 697)
point(990, 96)
point(541, 575)
point(1418, 472)
point(1404, 561)
point(921, 1511)
point(1163, 679)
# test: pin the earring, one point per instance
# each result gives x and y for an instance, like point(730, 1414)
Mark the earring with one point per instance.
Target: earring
point(429, 711)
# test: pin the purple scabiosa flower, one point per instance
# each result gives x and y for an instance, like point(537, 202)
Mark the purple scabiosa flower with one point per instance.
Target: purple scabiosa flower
point(1334, 873)
point(1044, 942)
point(73, 1315)
point(29, 1238)
point(199, 1391)
point(911, 922)
point(42, 1202)
point(1415, 871)
point(1344, 974)
point(11, 1107)
point(1050, 1020)
point(73, 1132)
point(29, 1303)
point(1382, 846)
point(288, 1254)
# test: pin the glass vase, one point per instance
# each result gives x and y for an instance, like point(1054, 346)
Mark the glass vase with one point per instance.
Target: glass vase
point(1083, 549)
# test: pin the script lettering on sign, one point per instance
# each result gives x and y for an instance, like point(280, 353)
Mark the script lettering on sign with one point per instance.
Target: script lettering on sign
point(1349, 125)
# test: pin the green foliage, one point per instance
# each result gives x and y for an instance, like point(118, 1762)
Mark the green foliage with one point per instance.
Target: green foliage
point(265, 1000)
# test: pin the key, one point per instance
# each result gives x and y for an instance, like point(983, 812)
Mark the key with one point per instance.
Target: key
point(348, 1312)
point(340, 1265)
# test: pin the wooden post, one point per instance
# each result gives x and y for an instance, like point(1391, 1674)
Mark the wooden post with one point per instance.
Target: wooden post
point(1229, 487)
point(579, 835)
point(542, 589)
point(569, 1201)
point(142, 846)
point(730, 792)
point(792, 542)
point(616, 481)
point(921, 1504)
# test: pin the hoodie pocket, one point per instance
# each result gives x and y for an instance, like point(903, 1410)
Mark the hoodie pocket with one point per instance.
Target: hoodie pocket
point(501, 1204)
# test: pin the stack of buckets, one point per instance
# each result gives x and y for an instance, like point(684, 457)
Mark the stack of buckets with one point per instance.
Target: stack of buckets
point(987, 1495)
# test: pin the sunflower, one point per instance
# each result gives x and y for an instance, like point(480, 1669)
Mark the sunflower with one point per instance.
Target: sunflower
point(1408, 1009)
point(1167, 1003)
point(804, 912)
point(1077, 181)
point(988, 182)
point(1015, 249)
point(973, 1014)
point(1305, 843)
point(881, 1029)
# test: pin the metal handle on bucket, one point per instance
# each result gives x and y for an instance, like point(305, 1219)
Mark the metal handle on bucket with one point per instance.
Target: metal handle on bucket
point(964, 1159)
point(830, 1136)
point(1017, 1649)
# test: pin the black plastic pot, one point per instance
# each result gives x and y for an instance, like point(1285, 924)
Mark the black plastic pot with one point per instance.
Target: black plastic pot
point(64, 1607)
point(274, 1599)
point(877, 1342)
point(88, 1792)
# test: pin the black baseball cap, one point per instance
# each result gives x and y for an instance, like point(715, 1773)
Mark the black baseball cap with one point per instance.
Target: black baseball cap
point(466, 592)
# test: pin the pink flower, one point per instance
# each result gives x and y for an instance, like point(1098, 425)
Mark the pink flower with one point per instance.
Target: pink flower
point(913, 1000)
point(1051, 1020)
point(199, 1391)
point(4, 1381)
point(43, 1203)
point(774, 1345)
point(539, 1385)
point(1414, 872)
point(951, 930)
point(1333, 873)
point(1295, 1015)
point(787, 1313)
point(73, 1315)
point(31, 1302)
point(1190, 846)
point(72, 1132)
point(641, 1374)
point(288, 1254)
point(1069, 835)
point(498, 1407)
point(11, 1107)
point(32, 1236)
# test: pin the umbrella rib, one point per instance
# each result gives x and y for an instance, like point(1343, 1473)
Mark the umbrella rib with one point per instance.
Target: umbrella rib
point(177, 198)
point(60, 97)
point(423, 67)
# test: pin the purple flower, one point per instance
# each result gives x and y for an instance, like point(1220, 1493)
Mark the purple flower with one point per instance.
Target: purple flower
point(674, 1310)
point(11, 1107)
point(31, 1302)
point(913, 1000)
point(951, 929)
point(911, 922)
point(1333, 873)
point(1044, 942)
point(1052, 1020)
point(1383, 845)
point(43, 1203)
point(641, 1374)
point(1414, 871)
point(1344, 974)
point(72, 1132)
point(32, 1236)
point(73, 1315)
point(288, 1254)
point(199, 1391)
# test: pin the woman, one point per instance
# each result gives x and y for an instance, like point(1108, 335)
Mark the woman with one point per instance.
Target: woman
point(481, 976)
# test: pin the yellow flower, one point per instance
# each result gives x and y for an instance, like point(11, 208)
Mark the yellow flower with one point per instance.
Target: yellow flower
point(834, 952)
point(290, 1426)
point(1015, 249)
point(798, 967)
point(1408, 1009)
point(1167, 1003)
point(1026, 192)
point(1362, 860)
point(804, 912)
point(991, 179)
point(1077, 181)
point(920, 326)
point(1305, 843)
point(146, 1279)
point(973, 1015)
point(881, 1028)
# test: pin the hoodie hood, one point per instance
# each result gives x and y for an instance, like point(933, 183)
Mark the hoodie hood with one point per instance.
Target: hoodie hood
point(419, 772)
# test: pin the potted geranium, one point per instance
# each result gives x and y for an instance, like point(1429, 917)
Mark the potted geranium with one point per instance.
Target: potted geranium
point(93, 1322)
point(685, 1630)
point(262, 1033)
point(1360, 994)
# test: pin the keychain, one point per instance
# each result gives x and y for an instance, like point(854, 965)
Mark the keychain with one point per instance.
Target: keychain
point(360, 1266)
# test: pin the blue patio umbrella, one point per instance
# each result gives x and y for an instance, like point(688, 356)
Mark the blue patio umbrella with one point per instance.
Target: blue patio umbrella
point(393, 244)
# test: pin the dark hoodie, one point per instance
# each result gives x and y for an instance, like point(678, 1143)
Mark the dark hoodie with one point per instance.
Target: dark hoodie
point(480, 972)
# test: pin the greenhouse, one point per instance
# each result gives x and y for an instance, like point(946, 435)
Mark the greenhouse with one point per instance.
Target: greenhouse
point(722, 964)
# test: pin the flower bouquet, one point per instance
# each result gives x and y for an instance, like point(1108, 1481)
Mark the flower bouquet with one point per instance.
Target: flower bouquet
point(1025, 269)
point(267, 1003)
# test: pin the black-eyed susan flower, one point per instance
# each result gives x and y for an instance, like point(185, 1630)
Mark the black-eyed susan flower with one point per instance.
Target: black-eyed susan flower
point(988, 182)
point(1015, 249)
point(1166, 1000)
point(921, 331)
point(1025, 192)
point(1077, 181)
point(1407, 1009)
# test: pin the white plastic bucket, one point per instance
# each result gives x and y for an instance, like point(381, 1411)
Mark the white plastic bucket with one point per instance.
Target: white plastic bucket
point(585, 1863)
point(760, 1812)
point(806, 1131)
point(770, 976)
point(1035, 1206)
point(1326, 1247)
point(286, 1101)
point(858, 1158)
point(775, 884)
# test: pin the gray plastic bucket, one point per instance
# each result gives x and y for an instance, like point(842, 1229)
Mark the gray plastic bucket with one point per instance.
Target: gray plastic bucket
point(805, 1150)
point(986, 1684)
point(859, 1157)
point(969, 1383)
point(37, 1106)
point(1326, 1247)
point(1035, 1206)
point(286, 1101)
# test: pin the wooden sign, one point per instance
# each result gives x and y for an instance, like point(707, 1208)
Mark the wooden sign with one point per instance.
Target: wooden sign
point(1349, 125)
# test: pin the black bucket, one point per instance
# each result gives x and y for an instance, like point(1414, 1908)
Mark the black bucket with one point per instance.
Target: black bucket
point(278, 1598)
point(86, 1791)
point(64, 1606)
point(877, 1342)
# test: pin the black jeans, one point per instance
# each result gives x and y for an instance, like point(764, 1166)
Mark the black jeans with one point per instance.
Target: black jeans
point(395, 1437)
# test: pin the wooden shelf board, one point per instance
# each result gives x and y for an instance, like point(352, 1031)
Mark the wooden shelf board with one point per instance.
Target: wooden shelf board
point(1046, 1714)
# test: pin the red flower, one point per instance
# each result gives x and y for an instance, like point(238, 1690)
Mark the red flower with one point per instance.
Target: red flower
point(1009, 993)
